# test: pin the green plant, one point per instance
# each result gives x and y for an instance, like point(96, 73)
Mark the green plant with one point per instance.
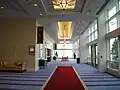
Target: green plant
point(114, 50)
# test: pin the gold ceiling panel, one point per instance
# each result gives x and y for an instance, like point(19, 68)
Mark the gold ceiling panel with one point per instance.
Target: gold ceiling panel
point(64, 30)
point(63, 4)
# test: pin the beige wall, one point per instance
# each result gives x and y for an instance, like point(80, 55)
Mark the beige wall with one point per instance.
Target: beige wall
point(15, 37)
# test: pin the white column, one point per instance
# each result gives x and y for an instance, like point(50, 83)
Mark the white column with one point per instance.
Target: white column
point(102, 44)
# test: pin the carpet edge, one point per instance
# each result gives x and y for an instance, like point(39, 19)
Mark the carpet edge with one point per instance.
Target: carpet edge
point(42, 88)
point(84, 85)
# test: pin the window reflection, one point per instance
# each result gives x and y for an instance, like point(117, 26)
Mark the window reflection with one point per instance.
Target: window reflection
point(113, 24)
point(113, 63)
point(114, 49)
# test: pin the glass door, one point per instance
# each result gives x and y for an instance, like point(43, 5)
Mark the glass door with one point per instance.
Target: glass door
point(114, 49)
point(94, 53)
point(96, 56)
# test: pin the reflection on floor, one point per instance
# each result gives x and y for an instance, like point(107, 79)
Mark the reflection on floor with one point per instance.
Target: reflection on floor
point(29, 80)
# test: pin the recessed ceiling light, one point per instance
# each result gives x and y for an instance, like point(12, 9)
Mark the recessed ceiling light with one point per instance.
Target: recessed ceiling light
point(41, 14)
point(35, 5)
point(1, 7)
point(88, 13)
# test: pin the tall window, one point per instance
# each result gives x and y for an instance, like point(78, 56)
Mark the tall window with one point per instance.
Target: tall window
point(114, 53)
point(96, 35)
point(64, 53)
point(76, 44)
point(113, 24)
point(114, 49)
point(112, 11)
point(119, 4)
point(112, 18)
point(64, 50)
point(90, 50)
point(93, 31)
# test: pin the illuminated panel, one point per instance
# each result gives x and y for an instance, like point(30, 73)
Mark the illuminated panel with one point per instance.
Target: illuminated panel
point(63, 4)
point(64, 30)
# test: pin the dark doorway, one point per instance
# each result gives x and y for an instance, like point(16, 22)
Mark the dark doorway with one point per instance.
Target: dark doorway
point(94, 52)
point(48, 54)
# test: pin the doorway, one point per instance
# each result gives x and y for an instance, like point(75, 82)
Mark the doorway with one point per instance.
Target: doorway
point(48, 54)
point(94, 55)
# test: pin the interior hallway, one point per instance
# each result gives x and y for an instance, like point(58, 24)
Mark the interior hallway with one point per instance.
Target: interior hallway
point(29, 80)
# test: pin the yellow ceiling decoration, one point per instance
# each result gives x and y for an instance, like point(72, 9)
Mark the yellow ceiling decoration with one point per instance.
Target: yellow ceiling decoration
point(63, 4)
point(64, 30)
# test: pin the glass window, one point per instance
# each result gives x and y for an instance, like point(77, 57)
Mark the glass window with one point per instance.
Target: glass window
point(68, 53)
point(114, 49)
point(89, 39)
point(92, 28)
point(64, 46)
point(89, 31)
point(113, 53)
point(75, 44)
point(112, 24)
point(64, 53)
point(89, 50)
point(96, 54)
point(119, 4)
point(95, 26)
point(92, 36)
point(112, 12)
point(60, 53)
point(96, 35)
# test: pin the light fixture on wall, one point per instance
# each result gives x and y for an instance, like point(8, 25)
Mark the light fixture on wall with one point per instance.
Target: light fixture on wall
point(64, 4)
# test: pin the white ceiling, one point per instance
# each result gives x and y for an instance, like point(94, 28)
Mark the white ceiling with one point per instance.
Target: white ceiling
point(79, 16)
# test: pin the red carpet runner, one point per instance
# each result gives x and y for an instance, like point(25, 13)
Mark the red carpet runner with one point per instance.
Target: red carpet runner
point(64, 78)
point(64, 60)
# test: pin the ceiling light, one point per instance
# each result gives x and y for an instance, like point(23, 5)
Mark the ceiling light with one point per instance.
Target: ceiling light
point(88, 13)
point(64, 4)
point(61, 41)
point(35, 5)
point(1, 7)
point(41, 14)
point(64, 30)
